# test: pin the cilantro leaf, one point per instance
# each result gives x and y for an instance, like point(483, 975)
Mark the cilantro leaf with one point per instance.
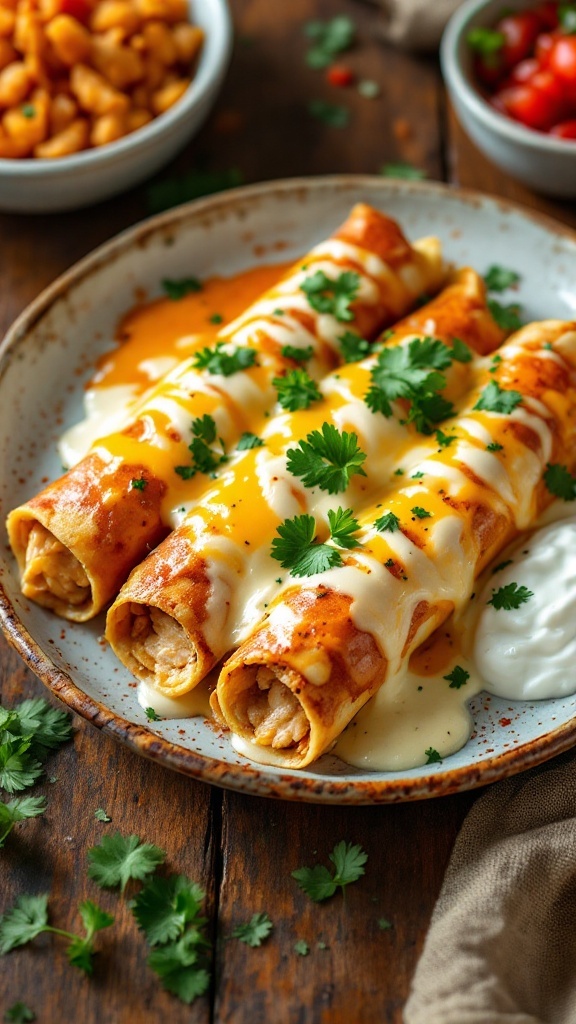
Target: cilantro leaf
point(326, 459)
point(332, 295)
point(510, 597)
point(119, 858)
point(402, 170)
point(152, 715)
point(27, 918)
point(81, 949)
point(247, 441)
point(329, 38)
point(205, 459)
point(319, 884)
point(485, 41)
point(165, 907)
point(387, 523)
point(100, 815)
point(560, 482)
point(296, 390)
point(178, 289)
point(494, 446)
point(296, 549)
point(342, 526)
point(179, 965)
point(499, 279)
point(218, 361)
point(254, 931)
point(301, 947)
point(36, 718)
point(19, 1013)
point(445, 440)
point(352, 347)
point(332, 114)
point(299, 355)
point(384, 924)
point(496, 399)
point(412, 372)
point(457, 677)
point(507, 317)
point(138, 484)
point(19, 809)
point(433, 757)
point(420, 513)
point(18, 768)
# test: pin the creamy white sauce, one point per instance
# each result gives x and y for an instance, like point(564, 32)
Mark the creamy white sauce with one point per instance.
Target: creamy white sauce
point(529, 653)
point(107, 410)
point(157, 366)
point(197, 702)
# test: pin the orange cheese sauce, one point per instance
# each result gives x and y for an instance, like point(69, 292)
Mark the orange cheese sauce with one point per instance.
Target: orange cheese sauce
point(164, 327)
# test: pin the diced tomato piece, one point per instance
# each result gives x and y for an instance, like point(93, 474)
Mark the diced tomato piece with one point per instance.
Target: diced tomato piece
point(564, 130)
point(530, 105)
point(562, 60)
point(543, 49)
point(523, 71)
point(340, 75)
point(520, 32)
point(79, 9)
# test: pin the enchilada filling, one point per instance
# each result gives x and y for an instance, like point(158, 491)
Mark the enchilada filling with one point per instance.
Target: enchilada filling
point(273, 712)
point(52, 574)
point(164, 654)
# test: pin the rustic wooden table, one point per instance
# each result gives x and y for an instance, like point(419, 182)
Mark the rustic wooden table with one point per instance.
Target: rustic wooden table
point(241, 849)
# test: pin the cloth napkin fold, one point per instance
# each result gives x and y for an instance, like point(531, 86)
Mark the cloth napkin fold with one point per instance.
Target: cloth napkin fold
point(415, 24)
point(501, 948)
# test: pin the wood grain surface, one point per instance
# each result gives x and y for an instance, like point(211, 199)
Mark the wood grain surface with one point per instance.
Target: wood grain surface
point(241, 850)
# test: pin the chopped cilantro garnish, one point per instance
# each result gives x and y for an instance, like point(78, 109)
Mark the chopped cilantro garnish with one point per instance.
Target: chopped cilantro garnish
point(387, 523)
point(417, 475)
point(445, 440)
point(494, 446)
point(254, 931)
point(178, 289)
point(368, 88)
point(327, 459)
point(332, 114)
point(296, 549)
point(319, 884)
point(433, 757)
point(152, 715)
point(485, 41)
point(328, 39)
point(296, 390)
point(507, 317)
point(457, 677)
point(420, 513)
point(560, 482)
point(496, 399)
point(248, 440)
point(510, 597)
point(205, 459)
point(100, 815)
point(402, 170)
point(299, 355)
point(218, 361)
point(502, 565)
point(28, 110)
point(301, 947)
point(138, 485)
point(353, 347)
point(216, 318)
point(342, 526)
point(384, 924)
point(499, 279)
point(412, 372)
point(332, 295)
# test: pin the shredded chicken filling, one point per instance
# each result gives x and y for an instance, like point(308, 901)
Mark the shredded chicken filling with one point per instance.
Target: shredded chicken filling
point(275, 714)
point(52, 574)
point(160, 646)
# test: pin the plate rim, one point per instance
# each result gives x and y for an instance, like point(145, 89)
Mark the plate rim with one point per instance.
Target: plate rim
point(250, 778)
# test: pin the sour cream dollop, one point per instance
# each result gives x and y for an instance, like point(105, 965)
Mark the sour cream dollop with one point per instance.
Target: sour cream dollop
point(529, 652)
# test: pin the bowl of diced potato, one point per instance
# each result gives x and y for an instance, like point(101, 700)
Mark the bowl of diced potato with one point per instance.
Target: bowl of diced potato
point(97, 95)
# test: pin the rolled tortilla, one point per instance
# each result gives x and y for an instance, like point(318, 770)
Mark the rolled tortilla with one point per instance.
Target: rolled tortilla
point(203, 589)
point(326, 646)
point(77, 540)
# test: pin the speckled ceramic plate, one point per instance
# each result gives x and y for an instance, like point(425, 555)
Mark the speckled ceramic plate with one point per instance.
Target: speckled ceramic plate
point(47, 357)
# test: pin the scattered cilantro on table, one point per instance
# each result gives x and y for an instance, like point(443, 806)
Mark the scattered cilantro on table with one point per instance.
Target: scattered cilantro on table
point(100, 815)
point(117, 859)
point(332, 114)
point(301, 947)
point(255, 930)
point(28, 733)
point(19, 1013)
point(19, 809)
point(320, 884)
point(402, 170)
point(29, 918)
point(328, 38)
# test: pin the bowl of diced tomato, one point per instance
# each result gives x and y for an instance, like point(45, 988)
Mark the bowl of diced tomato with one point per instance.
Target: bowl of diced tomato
point(510, 69)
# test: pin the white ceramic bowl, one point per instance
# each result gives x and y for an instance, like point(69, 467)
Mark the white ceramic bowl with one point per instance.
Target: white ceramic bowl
point(540, 161)
point(33, 186)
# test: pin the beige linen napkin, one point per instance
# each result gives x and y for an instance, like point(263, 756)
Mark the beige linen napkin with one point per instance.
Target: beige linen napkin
point(415, 24)
point(501, 948)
